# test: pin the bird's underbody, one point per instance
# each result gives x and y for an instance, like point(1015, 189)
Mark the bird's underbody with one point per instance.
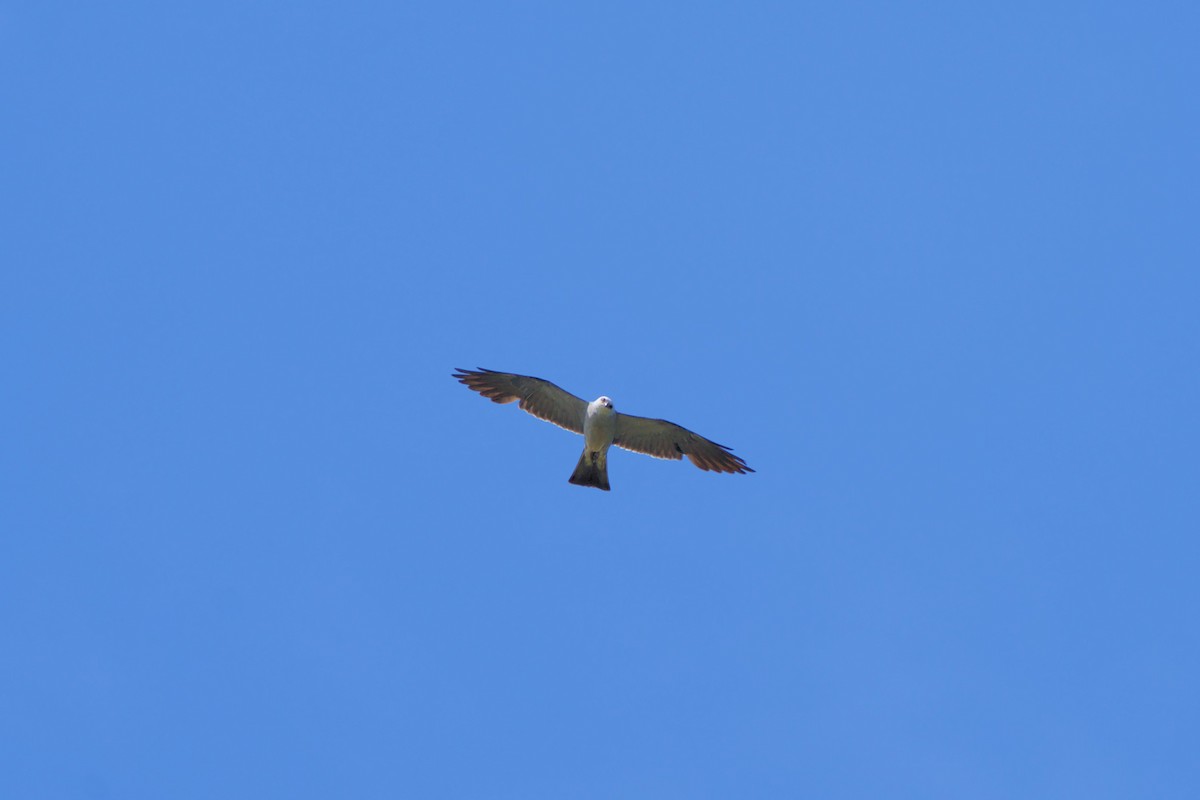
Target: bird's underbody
point(599, 429)
point(601, 426)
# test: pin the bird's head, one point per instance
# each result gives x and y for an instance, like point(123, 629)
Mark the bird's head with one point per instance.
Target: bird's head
point(604, 401)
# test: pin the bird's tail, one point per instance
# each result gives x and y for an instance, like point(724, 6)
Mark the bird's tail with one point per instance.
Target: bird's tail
point(592, 469)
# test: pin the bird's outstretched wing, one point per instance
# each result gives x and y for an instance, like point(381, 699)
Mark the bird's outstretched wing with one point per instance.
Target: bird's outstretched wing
point(662, 439)
point(540, 398)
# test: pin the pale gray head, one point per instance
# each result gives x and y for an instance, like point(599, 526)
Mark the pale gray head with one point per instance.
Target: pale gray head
point(604, 401)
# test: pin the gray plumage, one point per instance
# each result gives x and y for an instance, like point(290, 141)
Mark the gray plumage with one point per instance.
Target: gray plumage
point(601, 426)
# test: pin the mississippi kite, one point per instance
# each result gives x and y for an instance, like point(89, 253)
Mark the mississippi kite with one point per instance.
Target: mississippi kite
point(601, 426)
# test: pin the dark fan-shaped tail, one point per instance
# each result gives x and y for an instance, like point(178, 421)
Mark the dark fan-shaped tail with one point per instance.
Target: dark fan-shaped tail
point(592, 470)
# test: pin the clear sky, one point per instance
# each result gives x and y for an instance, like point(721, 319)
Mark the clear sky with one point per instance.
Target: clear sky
point(930, 268)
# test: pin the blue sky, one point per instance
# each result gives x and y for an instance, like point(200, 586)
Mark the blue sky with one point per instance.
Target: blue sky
point(930, 268)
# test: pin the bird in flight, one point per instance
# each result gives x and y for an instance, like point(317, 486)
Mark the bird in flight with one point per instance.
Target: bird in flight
point(600, 425)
